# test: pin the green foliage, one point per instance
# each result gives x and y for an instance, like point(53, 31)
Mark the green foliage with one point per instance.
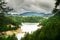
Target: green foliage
point(27, 38)
point(32, 19)
point(7, 21)
point(8, 37)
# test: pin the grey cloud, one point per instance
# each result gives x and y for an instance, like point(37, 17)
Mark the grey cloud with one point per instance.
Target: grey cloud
point(45, 6)
point(31, 5)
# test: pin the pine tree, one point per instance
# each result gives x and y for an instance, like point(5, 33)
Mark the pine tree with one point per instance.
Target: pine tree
point(56, 5)
point(3, 10)
point(3, 7)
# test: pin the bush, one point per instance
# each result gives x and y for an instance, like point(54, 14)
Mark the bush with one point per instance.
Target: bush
point(6, 37)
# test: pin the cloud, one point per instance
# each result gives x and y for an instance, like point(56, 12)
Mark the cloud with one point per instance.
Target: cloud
point(31, 5)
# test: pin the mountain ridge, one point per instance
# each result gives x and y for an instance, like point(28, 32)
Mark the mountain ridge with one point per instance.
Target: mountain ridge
point(32, 14)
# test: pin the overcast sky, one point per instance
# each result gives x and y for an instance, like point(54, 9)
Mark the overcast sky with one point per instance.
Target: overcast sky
point(32, 5)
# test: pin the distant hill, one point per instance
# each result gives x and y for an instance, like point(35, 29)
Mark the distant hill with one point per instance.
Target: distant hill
point(32, 14)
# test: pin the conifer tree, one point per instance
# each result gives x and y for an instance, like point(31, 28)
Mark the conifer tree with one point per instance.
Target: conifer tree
point(4, 9)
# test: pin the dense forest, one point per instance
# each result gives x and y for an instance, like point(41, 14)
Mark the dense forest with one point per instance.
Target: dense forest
point(31, 19)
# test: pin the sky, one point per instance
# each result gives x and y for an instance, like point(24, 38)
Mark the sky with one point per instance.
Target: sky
point(21, 6)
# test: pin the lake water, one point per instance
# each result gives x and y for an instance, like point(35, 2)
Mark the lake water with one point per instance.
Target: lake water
point(27, 28)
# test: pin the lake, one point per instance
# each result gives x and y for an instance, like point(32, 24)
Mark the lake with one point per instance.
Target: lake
point(27, 28)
